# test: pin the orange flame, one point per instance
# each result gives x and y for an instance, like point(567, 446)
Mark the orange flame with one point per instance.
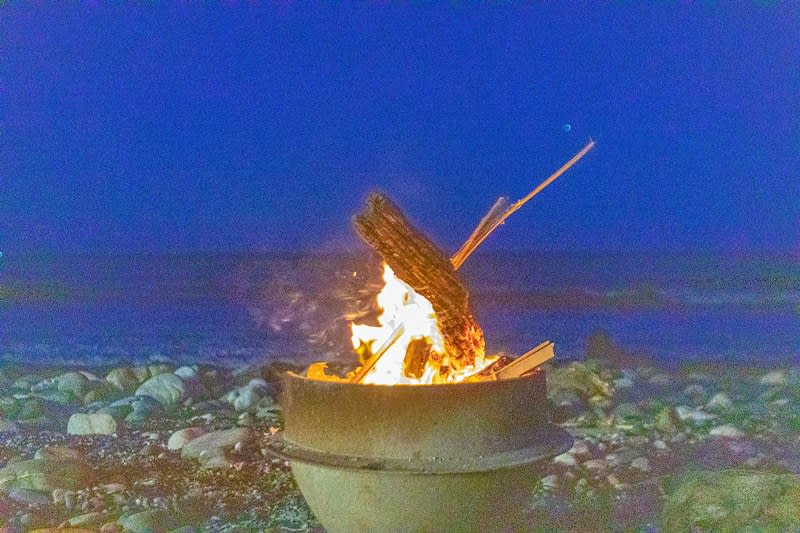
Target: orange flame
point(410, 317)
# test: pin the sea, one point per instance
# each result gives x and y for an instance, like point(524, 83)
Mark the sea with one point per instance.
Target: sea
point(252, 309)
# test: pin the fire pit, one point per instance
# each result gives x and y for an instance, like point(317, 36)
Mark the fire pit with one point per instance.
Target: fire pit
point(449, 457)
point(429, 433)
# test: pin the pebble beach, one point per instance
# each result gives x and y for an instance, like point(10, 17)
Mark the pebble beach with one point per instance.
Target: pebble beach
point(142, 396)
point(165, 448)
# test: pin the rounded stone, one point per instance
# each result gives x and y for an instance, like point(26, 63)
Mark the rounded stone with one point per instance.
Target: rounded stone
point(149, 521)
point(565, 459)
point(167, 389)
point(719, 402)
point(29, 497)
point(57, 452)
point(91, 424)
point(733, 500)
point(641, 463)
point(216, 440)
point(180, 438)
point(73, 383)
point(248, 396)
point(124, 379)
point(46, 474)
point(195, 387)
point(775, 377)
point(727, 430)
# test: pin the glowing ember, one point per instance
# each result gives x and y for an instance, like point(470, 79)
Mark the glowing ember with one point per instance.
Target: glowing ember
point(417, 356)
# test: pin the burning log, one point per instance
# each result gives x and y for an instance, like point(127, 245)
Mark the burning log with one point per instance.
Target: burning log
point(417, 354)
point(418, 262)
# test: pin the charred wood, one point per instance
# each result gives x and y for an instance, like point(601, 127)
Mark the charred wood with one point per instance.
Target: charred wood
point(419, 263)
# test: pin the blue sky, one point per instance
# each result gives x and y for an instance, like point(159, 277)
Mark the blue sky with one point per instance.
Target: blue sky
point(166, 127)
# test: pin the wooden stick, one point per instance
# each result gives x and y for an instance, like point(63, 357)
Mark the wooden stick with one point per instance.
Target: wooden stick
point(495, 217)
point(369, 365)
point(520, 366)
point(527, 361)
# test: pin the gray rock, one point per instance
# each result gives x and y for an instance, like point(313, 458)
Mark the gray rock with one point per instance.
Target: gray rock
point(627, 411)
point(127, 379)
point(57, 452)
point(733, 500)
point(246, 397)
point(73, 383)
point(214, 461)
point(719, 402)
point(93, 519)
point(46, 475)
point(726, 430)
point(700, 377)
point(57, 396)
point(146, 405)
point(646, 372)
point(623, 383)
point(661, 380)
point(34, 498)
point(697, 416)
point(158, 369)
point(127, 401)
point(695, 391)
point(188, 372)
point(44, 414)
point(641, 463)
point(565, 459)
point(774, 378)
point(150, 521)
point(142, 408)
point(579, 448)
point(167, 389)
point(211, 442)
point(596, 464)
point(24, 383)
point(181, 437)
point(579, 379)
point(117, 412)
point(101, 391)
point(565, 398)
point(191, 377)
point(566, 405)
point(91, 424)
point(659, 444)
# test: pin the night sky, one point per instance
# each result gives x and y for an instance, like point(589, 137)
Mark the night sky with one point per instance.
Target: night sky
point(155, 128)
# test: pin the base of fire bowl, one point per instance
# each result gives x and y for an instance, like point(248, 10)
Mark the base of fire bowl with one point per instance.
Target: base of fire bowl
point(457, 457)
point(368, 494)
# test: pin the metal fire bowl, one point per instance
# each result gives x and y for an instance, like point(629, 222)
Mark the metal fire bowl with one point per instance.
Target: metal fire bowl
point(460, 457)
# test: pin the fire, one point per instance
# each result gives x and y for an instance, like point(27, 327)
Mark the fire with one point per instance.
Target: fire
point(407, 325)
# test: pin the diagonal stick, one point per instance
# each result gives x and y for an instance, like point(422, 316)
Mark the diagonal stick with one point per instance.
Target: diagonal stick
point(495, 217)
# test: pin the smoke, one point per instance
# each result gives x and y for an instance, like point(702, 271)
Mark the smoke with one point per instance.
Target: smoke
point(309, 302)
